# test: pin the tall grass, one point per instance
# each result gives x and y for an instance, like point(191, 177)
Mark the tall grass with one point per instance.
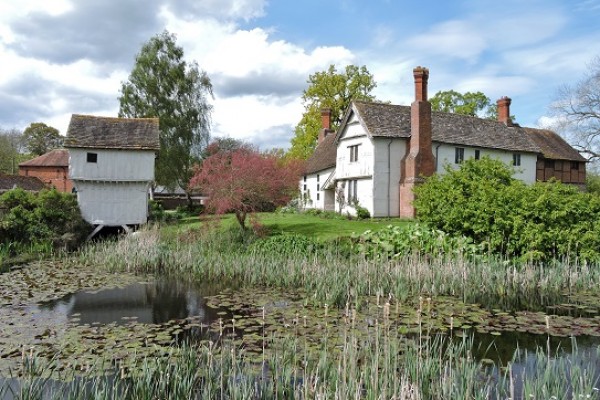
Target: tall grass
point(331, 274)
point(382, 365)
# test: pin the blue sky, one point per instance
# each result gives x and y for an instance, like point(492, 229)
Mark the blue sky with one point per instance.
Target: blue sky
point(70, 56)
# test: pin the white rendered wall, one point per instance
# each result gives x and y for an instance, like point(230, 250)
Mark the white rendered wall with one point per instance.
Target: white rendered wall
point(312, 191)
point(386, 176)
point(115, 165)
point(446, 156)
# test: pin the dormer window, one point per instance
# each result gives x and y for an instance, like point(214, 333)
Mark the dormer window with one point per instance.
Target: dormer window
point(92, 157)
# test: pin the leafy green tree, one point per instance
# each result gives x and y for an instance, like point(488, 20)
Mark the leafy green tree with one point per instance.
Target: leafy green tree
point(593, 183)
point(329, 89)
point(577, 109)
point(41, 138)
point(475, 104)
point(11, 150)
point(162, 84)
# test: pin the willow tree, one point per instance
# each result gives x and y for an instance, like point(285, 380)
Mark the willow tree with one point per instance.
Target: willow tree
point(333, 90)
point(162, 84)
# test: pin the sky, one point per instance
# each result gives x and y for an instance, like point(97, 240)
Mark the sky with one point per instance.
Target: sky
point(63, 57)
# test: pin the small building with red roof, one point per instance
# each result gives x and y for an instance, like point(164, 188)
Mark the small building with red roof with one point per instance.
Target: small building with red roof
point(51, 168)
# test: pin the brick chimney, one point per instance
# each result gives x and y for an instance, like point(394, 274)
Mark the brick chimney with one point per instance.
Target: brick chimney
point(418, 161)
point(504, 110)
point(325, 124)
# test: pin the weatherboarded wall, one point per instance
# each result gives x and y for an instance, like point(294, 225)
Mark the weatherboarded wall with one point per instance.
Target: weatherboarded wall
point(113, 204)
point(118, 165)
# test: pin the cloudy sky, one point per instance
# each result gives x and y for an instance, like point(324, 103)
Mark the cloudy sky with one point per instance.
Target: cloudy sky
point(60, 57)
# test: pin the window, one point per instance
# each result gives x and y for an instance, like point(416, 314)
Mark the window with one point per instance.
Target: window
point(317, 178)
point(459, 155)
point(352, 191)
point(318, 187)
point(304, 178)
point(318, 196)
point(516, 159)
point(477, 155)
point(549, 164)
point(305, 187)
point(575, 165)
point(92, 157)
point(353, 153)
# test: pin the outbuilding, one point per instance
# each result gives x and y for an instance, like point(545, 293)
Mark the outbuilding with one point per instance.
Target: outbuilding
point(111, 165)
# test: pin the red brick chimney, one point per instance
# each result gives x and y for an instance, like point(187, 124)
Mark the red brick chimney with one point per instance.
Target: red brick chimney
point(325, 124)
point(418, 161)
point(504, 110)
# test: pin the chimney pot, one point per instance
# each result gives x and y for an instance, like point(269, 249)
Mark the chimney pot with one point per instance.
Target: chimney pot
point(503, 104)
point(421, 75)
point(326, 118)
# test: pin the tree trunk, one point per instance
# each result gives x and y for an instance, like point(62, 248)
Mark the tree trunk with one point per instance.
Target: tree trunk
point(241, 218)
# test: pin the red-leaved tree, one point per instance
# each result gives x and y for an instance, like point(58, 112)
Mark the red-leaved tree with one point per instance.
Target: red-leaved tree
point(245, 180)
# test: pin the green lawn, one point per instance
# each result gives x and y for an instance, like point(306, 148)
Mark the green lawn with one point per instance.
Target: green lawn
point(309, 225)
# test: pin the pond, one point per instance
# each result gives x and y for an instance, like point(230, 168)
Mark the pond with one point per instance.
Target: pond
point(122, 315)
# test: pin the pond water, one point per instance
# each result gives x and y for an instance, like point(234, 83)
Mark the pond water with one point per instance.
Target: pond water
point(195, 312)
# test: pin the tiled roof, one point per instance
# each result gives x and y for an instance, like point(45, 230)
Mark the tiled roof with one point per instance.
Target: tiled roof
point(30, 183)
point(553, 146)
point(54, 158)
point(388, 120)
point(113, 133)
point(324, 155)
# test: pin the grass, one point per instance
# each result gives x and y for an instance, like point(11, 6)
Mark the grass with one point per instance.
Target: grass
point(314, 226)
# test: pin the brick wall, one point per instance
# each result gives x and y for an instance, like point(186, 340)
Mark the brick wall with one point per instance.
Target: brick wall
point(57, 177)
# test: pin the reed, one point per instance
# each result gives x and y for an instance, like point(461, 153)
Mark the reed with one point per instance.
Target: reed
point(381, 365)
point(329, 274)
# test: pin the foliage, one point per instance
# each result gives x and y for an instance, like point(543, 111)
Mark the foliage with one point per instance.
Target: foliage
point(593, 183)
point(400, 241)
point(577, 109)
point(41, 138)
point(246, 181)
point(288, 244)
point(483, 202)
point(49, 217)
point(11, 151)
point(475, 104)
point(162, 84)
point(361, 212)
point(333, 90)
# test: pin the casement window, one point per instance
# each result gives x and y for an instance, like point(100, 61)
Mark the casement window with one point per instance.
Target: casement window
point(459, 155)
point(318, 176)
point(516, 159)
point(92, 157)
point(318, 197)
point(352, 191)
point(575, 165)
point(318, 187)
point(353, 153)
point(477, 154)
point(304, 178)
point(305, 187)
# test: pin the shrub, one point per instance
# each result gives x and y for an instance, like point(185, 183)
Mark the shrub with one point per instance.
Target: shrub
point(361, 212)
point(50, 219)
point(483, 202)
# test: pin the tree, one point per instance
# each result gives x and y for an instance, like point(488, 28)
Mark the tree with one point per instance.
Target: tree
point(11, 150)
point(329, 89)
point(475, 104)
point(41, 138)
point(163, 85)
point(577, 109)
point(244, 181)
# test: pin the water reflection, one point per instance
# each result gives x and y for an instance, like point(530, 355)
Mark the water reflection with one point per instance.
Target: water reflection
point(149, 303)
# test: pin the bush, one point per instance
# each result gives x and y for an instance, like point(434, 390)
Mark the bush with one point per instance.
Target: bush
point(362, 212)
point(50, 219)
point(483, 202)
